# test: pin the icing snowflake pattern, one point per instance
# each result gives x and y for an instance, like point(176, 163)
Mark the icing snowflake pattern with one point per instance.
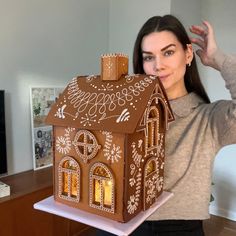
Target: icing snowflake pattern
point(87, 120)
point(114, 154)
point(63, 143)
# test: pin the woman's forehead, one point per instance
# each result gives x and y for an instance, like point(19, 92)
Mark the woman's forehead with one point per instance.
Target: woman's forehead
point(158, 40)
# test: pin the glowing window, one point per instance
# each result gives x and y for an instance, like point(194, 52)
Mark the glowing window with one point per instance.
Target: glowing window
point(101, 188)
point(69, 179)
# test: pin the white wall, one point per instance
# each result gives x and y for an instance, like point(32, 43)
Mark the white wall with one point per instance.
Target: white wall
point(188, 11)
point(126, 19)
point(44, 43)
point(222, 15)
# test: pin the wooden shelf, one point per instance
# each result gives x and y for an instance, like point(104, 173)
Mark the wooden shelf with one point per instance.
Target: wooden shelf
point(17, 215)
point(27, 182)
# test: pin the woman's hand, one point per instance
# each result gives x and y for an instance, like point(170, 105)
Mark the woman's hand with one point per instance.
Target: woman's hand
point(207, 44)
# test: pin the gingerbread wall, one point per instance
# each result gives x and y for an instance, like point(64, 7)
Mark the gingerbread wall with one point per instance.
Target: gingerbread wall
point(110, 154)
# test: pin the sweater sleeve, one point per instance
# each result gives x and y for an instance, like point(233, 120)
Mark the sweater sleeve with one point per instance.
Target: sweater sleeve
point(228, 72)
point(223, 113)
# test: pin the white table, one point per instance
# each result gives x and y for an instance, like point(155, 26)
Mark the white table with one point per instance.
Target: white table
point(51, 206)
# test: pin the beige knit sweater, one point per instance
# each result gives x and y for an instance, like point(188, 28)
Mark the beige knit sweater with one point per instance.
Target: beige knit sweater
point(192, 142)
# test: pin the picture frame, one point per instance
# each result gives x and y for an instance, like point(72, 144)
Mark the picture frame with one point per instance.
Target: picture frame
point(41, 100)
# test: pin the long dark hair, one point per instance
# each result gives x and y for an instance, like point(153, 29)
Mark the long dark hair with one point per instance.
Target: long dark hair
point(169, 23)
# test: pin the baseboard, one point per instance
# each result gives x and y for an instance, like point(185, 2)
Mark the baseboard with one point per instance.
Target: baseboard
point(231, 215)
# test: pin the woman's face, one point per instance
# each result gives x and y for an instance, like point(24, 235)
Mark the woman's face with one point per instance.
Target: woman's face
point(164, 56)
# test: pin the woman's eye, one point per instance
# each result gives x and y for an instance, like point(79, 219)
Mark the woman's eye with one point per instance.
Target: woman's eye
point(147, 58)
point(168, 52)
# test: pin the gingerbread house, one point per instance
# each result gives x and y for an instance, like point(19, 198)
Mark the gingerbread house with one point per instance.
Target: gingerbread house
point(109, 139)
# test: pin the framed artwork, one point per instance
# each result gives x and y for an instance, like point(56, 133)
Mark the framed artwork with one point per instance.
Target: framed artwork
point(41, 99)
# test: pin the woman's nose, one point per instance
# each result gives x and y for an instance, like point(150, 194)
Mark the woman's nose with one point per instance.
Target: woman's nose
point(158, 65)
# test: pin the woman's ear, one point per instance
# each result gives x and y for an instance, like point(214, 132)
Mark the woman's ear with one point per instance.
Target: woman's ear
point(189, 54)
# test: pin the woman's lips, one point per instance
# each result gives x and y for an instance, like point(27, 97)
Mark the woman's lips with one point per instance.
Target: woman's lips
point(163, 77)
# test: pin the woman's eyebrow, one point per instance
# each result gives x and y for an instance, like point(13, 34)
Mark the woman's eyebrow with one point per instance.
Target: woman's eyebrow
point(169, 45)
point(163, 49)
point(146, 52)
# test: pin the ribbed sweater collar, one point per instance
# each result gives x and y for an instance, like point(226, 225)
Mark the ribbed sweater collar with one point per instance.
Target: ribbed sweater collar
point(183, 106)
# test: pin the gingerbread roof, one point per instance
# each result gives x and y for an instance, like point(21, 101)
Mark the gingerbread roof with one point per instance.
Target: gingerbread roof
point(117, 106)
point(114, 101)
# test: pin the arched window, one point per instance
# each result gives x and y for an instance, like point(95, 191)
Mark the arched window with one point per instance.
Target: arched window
point(69, 179)
point(152, 128)
point(101, 191)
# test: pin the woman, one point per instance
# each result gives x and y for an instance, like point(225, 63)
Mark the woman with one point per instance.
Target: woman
point(200, 129)
point(163, 48)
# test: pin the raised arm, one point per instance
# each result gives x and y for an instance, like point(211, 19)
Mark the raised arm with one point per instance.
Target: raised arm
point(212, 56)
point(222, 116)
point(208, 51)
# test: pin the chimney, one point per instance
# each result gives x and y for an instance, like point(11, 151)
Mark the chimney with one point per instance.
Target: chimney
point(113, 66)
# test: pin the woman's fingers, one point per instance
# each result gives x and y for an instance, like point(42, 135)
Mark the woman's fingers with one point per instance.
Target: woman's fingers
point(201, 43)
point(199, 52)
point(208, 26)
point(204, 38)
point(198, 30)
